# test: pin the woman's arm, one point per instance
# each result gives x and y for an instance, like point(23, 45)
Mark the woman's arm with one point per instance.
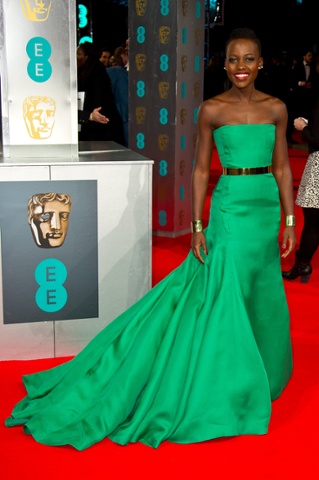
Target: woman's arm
point(283, 176)
point(200, 175)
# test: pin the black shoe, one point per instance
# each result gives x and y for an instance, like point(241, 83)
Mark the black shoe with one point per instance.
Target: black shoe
point(302, 270)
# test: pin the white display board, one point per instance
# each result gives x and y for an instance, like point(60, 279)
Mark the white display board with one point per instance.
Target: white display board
point(38, 78)
point(124, 193)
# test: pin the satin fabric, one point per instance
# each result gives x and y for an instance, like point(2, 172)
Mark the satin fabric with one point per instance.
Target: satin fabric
point(202, 354)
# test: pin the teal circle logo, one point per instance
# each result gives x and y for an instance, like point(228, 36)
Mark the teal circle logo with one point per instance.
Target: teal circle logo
point(39, 51)
point(51, 274)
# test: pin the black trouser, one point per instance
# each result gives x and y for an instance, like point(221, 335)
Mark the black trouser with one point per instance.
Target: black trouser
point(309, 241)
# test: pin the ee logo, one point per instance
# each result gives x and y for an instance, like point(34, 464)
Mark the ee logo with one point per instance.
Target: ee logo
point(82, 16)
point(51, 274)
point(39, 51)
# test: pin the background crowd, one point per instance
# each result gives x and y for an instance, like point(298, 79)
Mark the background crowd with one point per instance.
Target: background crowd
point(294, 78)
point(103, 85)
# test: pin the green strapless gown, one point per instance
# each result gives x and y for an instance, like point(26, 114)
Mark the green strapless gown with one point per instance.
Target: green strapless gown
point(203, 353)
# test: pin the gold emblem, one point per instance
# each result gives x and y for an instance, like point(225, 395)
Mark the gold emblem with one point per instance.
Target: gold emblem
point(184, 7)
point(164, 33)
point(196, 89)
point(140, 61)
point(163, 142)
point(48, 216)
point(197, 37)
point(140, 7)
point(184, 63)
point(181, 216)
point(36, 10)
point(194, 138)
point(182, 114)
point(163, 89)
point(182, 166)
point(140, 114)
point(39, 116)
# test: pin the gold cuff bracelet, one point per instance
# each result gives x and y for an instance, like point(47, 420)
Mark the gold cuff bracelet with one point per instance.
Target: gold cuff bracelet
point(196, 226)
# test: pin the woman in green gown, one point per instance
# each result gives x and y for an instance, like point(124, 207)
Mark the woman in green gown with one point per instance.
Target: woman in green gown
point(202, 354)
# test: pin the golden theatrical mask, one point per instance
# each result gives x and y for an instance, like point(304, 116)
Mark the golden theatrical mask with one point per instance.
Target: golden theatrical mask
point(194, 138)
point(39, 116)
point(197, 37)
point(196, 89)
point(164, 34)
point(140, 7)
point(140, 115)
point(184, 62)
point(140, 61)
point(36, 10)
point(48, 217)
point(163, 142)
point(182, 167)
point(184, 8)
point(163, 89)
point(181, 217)
point(182, 115)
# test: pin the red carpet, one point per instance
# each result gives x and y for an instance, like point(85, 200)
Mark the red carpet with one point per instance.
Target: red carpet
point(288, 451)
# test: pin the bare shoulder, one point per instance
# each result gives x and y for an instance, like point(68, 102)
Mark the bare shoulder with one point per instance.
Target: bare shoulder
point(273, 103)
point(212, 108)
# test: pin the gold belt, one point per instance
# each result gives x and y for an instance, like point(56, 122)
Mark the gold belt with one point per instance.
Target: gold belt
point(247, 171)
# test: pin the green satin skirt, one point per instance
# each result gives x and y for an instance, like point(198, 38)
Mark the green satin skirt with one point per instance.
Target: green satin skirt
point(200, 356)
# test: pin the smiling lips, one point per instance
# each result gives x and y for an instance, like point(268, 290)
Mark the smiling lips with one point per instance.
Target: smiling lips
point(241, 76)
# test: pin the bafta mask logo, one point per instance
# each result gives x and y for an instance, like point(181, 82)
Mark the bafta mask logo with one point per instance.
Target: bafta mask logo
point(140, 115)
point(184, 7)
point(140, 7)
point(182, 114)
point(163, 89)
point(36, 10)
point(182, 166)
point(197, 37)
point(194, 140)
point(48, 216)
point(140, 61)
point(184, 63)
point(164, 34)
point(39, 116)
point(163, 142)
point(196, 89)
point(181, 216)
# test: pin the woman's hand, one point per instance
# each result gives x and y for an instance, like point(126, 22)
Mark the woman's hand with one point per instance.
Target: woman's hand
point(198, 240)
point(289, 241)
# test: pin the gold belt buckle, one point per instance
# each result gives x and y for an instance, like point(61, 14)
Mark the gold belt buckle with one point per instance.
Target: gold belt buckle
point(246, 170)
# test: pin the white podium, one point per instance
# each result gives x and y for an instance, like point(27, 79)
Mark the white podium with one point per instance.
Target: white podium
point(123, 182)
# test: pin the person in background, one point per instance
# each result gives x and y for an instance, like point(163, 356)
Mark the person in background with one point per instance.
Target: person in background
point(308, 198)
point(214, 78)
point(96, 89)
point(304, 84)
point(94, 116)
point(104, 56)
point(119, 80)
point(127, 44)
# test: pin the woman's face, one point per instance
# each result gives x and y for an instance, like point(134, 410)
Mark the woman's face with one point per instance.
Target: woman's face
point(81, 57)
point(242, 62)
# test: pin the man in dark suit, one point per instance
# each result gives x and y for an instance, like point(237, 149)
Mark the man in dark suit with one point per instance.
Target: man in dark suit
point(304, 85)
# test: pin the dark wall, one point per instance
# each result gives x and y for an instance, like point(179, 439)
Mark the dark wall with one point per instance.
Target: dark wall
point(110, 24)
point(280, 24)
